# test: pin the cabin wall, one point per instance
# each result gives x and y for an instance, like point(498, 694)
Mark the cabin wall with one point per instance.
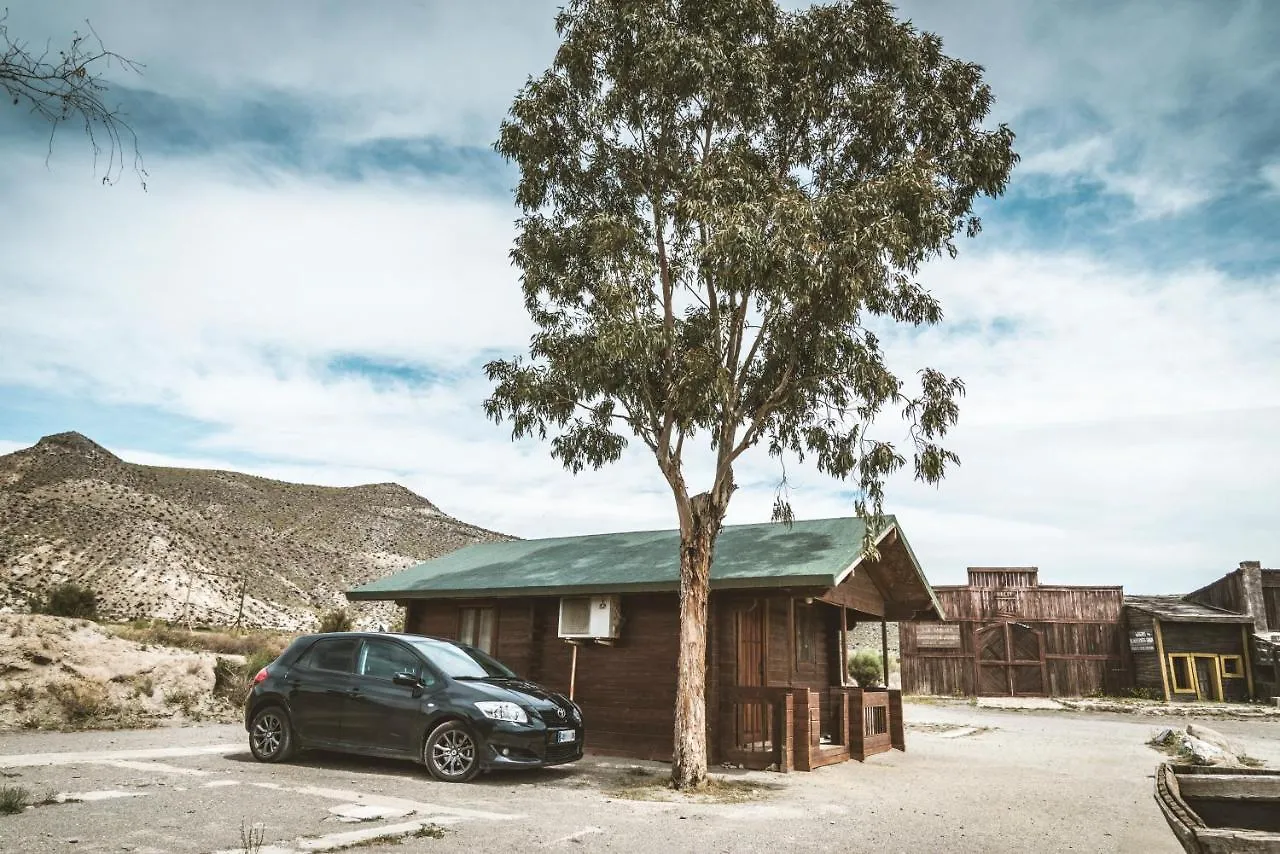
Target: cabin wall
point(1144, 663)
point(627, 691)
point(1206, 639)
point(1271, 597)
point(1224, 593)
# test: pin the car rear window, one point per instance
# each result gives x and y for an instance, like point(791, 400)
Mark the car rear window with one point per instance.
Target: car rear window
point(333, 654)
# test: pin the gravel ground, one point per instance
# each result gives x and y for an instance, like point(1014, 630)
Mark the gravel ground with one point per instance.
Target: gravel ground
point(973, 779)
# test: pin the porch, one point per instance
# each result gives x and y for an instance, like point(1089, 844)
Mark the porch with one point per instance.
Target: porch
point(793, 729)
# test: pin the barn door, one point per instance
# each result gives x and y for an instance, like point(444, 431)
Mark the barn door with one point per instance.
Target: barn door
point(1010, 660)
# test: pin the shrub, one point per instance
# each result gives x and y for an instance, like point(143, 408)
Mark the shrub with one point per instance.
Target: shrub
point(13, 799)
point(68, 600)
point(82, 702)
point(864, 666)
point(336, 621)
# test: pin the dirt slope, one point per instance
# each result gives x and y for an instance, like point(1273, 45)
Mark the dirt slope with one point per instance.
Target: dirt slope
point(138, 535)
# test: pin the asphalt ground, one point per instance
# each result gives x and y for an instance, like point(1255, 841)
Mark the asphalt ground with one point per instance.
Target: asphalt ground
point(972, 779)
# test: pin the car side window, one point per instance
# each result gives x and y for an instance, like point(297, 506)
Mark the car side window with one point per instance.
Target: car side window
point(383, 660)
point(334, 655)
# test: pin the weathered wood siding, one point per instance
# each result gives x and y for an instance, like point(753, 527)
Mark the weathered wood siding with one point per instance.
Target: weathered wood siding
point(1083, 639)
point(1271, 597)
point(1145, 666)
point(627, 691)
point(1223, 593)
point(1208, 639)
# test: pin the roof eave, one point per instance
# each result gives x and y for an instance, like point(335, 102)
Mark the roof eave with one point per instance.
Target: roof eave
point(775, 582)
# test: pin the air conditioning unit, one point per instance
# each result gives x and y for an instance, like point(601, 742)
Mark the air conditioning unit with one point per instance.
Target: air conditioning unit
point(590, 617)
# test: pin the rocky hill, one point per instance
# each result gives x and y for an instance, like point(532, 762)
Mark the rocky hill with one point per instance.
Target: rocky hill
point(156, 542)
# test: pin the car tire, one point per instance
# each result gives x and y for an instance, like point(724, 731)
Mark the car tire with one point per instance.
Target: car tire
point(452, 753)
point(271, 737)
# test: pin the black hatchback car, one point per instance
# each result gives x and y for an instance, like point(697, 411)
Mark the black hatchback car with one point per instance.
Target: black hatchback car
point(450, 706)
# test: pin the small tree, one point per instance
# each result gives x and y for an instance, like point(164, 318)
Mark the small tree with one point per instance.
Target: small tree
point(866, 667)
point(718, 199)
point(70, 86)
point(68, 600)
point(338, 620)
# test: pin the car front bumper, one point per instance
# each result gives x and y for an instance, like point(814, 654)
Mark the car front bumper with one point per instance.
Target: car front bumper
point(513, 746)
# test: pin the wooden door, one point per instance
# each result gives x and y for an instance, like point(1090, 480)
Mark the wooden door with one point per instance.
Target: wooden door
point(1010, 660)
point(750, 726)
point(1208, 686)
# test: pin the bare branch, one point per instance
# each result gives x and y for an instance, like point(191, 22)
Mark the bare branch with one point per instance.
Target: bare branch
point(70, 87)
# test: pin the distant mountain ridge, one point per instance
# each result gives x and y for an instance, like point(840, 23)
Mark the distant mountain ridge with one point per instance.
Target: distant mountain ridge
point(72, 510)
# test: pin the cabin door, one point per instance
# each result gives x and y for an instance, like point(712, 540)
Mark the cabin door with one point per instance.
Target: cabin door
point(1208, 687)
point(749, 641)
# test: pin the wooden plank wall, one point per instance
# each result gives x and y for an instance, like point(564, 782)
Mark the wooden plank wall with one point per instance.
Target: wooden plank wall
point(1223, 593)
point(1271, 597)
point(1084, 640)
point(1144, 666)
point(627, 691)
point(1210, 638)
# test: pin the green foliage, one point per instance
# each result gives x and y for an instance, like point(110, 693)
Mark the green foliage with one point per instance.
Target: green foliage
point(866, 667)
point(722, 202)
point(336, 621)
point(68, 600)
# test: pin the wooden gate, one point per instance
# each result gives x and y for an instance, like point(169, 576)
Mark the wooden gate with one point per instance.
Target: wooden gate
point(1010, 660)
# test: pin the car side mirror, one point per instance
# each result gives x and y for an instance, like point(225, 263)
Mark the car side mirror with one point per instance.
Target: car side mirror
point(408, 680)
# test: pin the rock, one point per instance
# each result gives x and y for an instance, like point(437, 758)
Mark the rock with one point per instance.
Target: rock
point(1212, 736)
point(1204, 753)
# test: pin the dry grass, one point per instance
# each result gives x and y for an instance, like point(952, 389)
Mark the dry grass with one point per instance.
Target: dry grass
point(641, 784)
point(247, 643)
point(13, 799)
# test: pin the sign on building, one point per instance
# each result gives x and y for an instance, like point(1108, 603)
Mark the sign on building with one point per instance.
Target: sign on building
point(1142, 641)
point(944, 635)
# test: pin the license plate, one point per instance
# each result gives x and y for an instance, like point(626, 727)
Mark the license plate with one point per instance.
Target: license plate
point(564, 735)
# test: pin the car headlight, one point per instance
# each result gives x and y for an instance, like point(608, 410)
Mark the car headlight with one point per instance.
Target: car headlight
point(503, 711)
point(577, 713)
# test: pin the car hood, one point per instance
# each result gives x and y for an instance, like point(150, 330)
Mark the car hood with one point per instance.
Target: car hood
point(515, 691)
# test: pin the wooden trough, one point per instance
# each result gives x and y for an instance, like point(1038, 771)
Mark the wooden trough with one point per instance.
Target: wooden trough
point(1215, 810)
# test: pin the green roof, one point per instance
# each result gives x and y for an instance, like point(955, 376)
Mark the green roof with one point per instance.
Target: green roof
point(809, 553)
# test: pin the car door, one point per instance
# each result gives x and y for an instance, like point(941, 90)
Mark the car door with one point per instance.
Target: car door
point(380, 713)
point(318, 687)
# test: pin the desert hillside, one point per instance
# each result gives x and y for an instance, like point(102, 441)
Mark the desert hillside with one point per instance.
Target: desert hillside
point(141, 536)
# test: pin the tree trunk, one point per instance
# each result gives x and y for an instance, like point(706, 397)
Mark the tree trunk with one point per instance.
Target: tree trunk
point(697, 542)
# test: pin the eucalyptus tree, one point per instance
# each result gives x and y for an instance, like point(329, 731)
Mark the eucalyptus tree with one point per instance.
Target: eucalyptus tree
point(719, 199)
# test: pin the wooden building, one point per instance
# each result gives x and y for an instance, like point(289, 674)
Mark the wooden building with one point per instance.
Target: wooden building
point(1254, 591)
point(1185, 650)
point(1007, 635)
point(596, 618)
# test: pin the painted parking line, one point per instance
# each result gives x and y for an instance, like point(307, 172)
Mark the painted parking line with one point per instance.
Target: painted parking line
point(37, 760)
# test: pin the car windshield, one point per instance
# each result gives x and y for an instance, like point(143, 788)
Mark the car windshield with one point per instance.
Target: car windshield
point(460, 662)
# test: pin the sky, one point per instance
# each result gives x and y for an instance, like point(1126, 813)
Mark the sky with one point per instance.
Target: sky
point(317, 270)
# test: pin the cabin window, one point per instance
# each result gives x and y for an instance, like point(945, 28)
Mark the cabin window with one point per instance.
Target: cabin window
point(806, 636)
point(1183, 674)
point(1232, 666)
point(476, 627)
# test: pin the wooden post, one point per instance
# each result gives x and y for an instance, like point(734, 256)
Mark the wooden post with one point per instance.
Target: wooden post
point(1248, 665)
point(244, 587)
point(844, 647)
point(1164, 673)
point(884, 650)
point(791, 641)
point(186, 605)
point(573, 669)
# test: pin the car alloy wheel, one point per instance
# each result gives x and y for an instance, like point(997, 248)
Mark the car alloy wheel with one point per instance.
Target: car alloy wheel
point(270, 736)
point(452, 754)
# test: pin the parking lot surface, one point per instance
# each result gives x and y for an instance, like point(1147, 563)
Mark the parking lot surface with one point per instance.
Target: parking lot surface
point(972, 779)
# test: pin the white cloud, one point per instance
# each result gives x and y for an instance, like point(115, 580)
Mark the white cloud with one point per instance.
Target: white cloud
point(1118, 422)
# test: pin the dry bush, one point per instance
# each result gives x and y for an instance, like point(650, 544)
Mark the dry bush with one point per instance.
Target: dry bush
point(83, 702)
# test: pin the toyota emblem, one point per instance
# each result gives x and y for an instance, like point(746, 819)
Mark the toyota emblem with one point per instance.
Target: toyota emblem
point(560, 712)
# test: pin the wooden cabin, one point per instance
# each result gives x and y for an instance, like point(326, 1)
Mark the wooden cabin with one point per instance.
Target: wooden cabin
point(1253, 590)
point(1184, 650)
point(1008, 635)
point(596, 618)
